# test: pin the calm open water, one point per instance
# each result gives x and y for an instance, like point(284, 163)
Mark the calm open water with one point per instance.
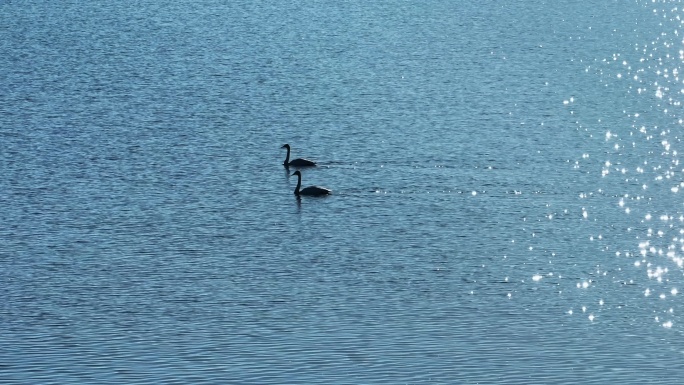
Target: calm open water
point(507, 192)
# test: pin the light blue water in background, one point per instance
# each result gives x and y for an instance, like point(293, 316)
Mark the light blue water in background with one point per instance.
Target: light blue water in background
point(506, 203)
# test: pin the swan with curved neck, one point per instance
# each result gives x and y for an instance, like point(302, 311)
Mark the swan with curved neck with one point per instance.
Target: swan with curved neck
point(299, 162)
point(311, 190)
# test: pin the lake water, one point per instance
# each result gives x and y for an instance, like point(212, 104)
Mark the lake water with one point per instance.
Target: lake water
point(506, 199)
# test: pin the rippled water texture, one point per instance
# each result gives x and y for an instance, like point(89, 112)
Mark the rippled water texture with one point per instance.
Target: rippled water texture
point(506, 199)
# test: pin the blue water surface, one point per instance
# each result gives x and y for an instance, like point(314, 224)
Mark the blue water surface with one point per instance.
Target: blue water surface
point(505, 202)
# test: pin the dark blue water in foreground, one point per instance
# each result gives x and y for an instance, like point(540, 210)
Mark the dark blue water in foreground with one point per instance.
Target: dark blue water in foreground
point(506, 202)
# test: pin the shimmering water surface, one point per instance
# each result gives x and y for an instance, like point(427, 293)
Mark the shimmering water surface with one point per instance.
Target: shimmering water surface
point(507, 192)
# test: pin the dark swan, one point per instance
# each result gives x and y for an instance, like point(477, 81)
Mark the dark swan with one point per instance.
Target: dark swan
point(296, 162)
point(311, 190)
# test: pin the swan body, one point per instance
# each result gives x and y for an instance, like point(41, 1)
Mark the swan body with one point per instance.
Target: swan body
point(299, 162)
point(311, 190)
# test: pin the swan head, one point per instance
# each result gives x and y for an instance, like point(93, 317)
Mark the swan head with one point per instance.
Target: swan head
point(297, 173)
point(285, 146)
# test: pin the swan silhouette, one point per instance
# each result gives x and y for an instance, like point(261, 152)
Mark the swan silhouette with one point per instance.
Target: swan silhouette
point(311, 190)
point(299, 162)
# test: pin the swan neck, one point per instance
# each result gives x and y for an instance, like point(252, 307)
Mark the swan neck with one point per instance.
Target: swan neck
point(287, 157)
point(299, 184)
